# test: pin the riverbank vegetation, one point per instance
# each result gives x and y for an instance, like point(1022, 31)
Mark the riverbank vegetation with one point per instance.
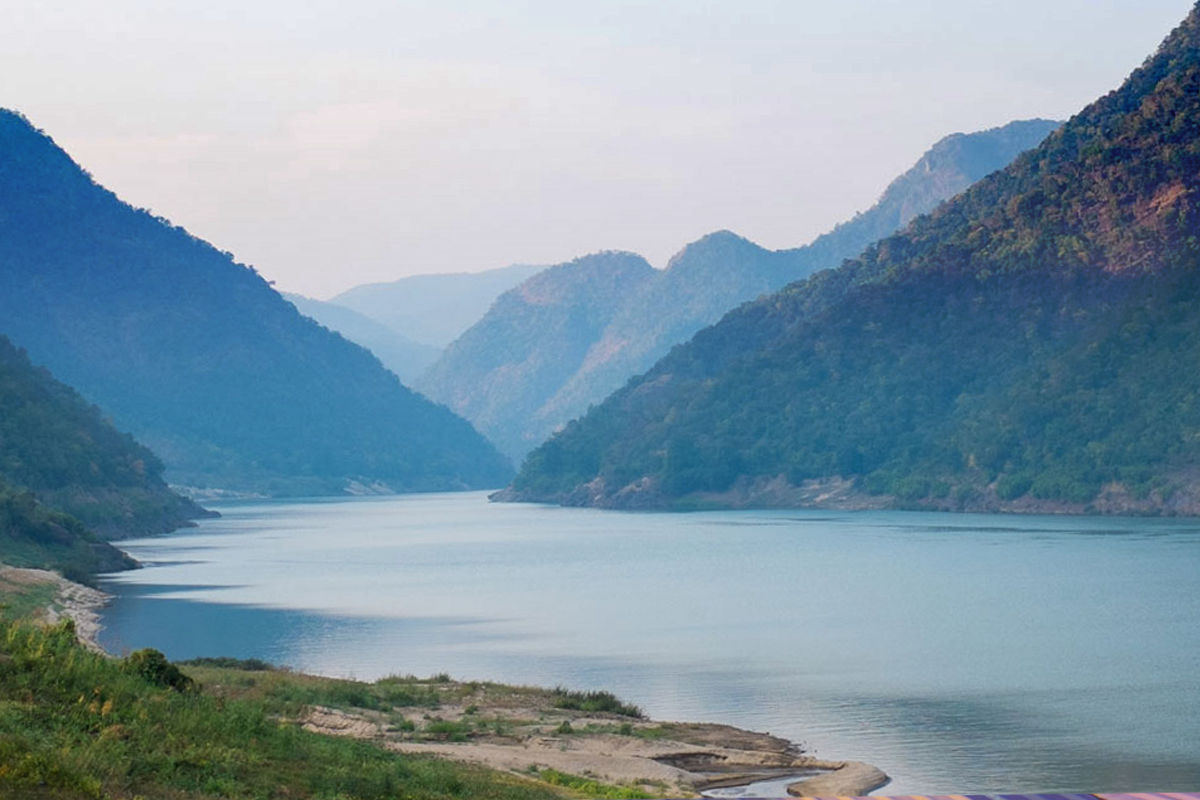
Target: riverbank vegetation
point(77, 724)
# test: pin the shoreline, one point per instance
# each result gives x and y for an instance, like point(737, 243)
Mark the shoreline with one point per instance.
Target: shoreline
point(677, 758)
point(665, 759)
point(81, 604)
point(837, 493)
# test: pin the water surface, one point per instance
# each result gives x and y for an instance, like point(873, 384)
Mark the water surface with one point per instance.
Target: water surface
point(959, 653)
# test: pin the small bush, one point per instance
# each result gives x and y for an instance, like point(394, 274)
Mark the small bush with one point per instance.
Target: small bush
point(446, 731)
point(152, 666)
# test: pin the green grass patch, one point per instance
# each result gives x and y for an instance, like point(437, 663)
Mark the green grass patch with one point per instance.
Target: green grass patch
point(22, 601)
point(442, 730)
point(287, 691)
point(74, 724)
point(225, 662)
point(588, 786)
point(595, 702)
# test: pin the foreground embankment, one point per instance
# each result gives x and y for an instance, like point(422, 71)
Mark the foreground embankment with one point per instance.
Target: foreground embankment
point(504, 741)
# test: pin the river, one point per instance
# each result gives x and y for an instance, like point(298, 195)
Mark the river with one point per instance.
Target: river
point(957, 652)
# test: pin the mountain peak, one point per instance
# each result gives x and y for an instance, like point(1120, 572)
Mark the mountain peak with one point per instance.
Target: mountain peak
point(1019, 348)
point(716, 245)
point(611, 269)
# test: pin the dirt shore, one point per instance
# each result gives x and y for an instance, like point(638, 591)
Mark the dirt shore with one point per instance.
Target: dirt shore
point(71, 600)
point(661, 759)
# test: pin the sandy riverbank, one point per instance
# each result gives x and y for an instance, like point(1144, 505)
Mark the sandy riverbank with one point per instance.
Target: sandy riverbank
point(664, 759)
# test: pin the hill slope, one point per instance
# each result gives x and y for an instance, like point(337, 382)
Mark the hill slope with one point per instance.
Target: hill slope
point(720, 271)
point(1030, 344)
point(434, 310)
point(197, 355)
point(60, 463)
point(406, 358)
point(643, 319)
point(533, 338)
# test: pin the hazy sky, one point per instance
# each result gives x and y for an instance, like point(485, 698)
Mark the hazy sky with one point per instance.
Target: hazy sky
point(333, 143)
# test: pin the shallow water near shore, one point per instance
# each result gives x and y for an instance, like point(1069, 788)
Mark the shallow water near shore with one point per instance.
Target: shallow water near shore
point(958, 653)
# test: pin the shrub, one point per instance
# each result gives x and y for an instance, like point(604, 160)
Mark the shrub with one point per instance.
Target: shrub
point(594, 702)
point(152, 666)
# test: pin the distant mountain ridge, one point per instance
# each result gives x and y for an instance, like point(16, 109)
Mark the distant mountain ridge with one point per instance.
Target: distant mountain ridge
point(435, 309)
point(406, 358)
point(702, 282)
point(1030, 345)
point(531, 340)
point(197, 355)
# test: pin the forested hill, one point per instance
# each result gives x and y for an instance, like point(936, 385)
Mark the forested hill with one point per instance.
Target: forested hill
point(61, 462)
point(487, 374)
point(534, 337)
point(947, 168)
point(715, 274)
point(1032, 344)
point(197, 355)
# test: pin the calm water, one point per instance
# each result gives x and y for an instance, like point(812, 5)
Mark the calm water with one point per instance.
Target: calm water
point(959, 653)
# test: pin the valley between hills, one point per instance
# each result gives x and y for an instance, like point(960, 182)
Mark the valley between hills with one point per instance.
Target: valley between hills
point(1011, 328)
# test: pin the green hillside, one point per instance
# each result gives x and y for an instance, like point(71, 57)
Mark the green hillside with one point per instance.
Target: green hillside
point(1031, 344)
point(646, 313)
point(404, 357)
point(61, 466)
point(197, 355)
point(533, 339)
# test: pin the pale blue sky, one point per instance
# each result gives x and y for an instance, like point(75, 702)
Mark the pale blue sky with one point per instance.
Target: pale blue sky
point(334, 143)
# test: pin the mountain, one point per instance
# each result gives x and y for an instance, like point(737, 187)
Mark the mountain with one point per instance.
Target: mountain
point(946, 169)
point(651, 314)
point(434, 310)
point(196, 355)
point(1032, 344)
point(720, 271)
point(406, 358)
point(60, 463)
point(533, 338)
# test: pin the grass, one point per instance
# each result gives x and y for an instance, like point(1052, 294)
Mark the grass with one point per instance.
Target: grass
point(441, 730)
point(288, 691)
point(595, 702)
point(25, 600)
point(225, 662)
point(588, 786)
point(74, 724)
